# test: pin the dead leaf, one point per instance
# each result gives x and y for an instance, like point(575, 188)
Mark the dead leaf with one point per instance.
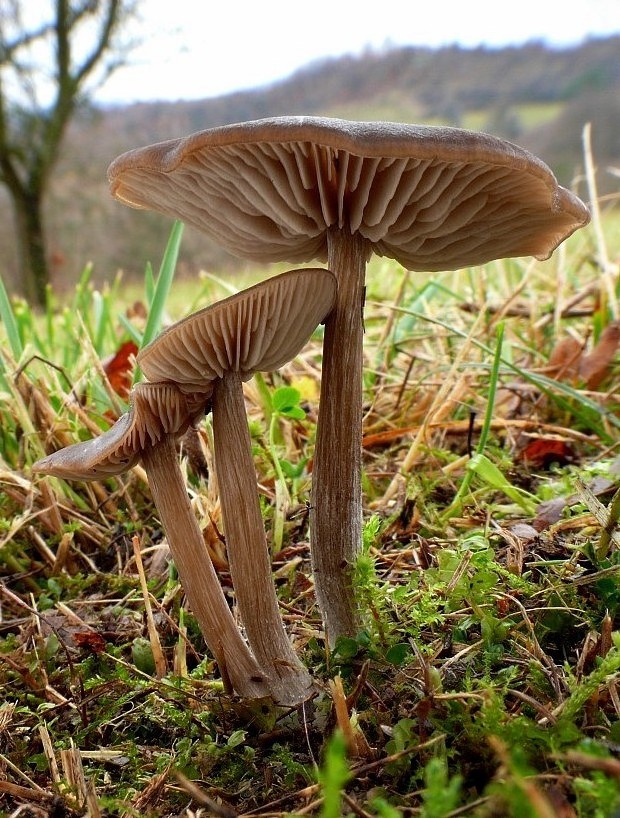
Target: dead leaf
point(564, 360)
point(549, 513)
point(559, 802)
point(595, 366)
point(568, 362)
point(216, 545)
point(403, 527)
point(357, 744)
point(137, 310)
point(90, 640)
point(119, 368)
point(541, 452)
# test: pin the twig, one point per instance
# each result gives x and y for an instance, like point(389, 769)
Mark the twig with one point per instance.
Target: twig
point(357, 809)
point(26, 793)
point(200, 797)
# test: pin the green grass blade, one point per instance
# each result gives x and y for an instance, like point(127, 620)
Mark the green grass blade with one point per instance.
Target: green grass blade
point(157, 304)
point(157, 292)
point(103, 323)
point(333, 776)
point(149, 282)
point(81, 297)
point(457, 503)
point(493, 382)
point(49, 319)
point(10, 323)
point(132, 331)
point(590, 413)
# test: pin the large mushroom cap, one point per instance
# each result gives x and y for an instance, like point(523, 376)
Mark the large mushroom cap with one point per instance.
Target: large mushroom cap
point(434, 198)
point(258, 329)
point(156, 410)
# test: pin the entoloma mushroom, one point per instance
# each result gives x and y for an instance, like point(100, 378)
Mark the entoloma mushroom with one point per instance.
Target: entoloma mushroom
point(217, 349)
point(158, 414)
point(304, 188)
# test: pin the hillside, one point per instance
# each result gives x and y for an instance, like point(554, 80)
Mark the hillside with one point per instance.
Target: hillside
point(534, 95)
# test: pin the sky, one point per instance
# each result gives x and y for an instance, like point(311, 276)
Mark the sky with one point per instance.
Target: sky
point(193, 49)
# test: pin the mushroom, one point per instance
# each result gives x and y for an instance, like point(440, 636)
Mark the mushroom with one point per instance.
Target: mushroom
point(217, 349)
point(158, 414)
point(304, 188)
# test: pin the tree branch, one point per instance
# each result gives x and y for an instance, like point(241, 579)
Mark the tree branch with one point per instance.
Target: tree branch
point(31, 127)
point(104, 41)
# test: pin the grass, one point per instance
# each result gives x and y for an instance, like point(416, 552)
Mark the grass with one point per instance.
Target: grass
point(527, 116)
point(394, 109)
point(485, 680)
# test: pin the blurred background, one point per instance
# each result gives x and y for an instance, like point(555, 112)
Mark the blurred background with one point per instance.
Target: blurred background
point(163, 70)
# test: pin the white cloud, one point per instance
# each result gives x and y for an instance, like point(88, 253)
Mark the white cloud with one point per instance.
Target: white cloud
point(194, 49)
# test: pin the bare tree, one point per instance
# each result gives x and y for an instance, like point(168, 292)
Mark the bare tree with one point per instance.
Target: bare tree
point(52, 56)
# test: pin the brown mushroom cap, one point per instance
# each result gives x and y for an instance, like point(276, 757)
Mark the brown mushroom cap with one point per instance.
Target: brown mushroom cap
point(156, 410)
point(434, 198)
point(258, 329)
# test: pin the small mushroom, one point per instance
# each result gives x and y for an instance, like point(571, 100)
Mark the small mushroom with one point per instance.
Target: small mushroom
point(303, 188)
point(216, 349)
point(159, 413)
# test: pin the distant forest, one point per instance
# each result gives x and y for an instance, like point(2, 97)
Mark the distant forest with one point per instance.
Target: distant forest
point(534, 95)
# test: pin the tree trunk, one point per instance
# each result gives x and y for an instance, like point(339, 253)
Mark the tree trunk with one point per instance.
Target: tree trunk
point(33, 265)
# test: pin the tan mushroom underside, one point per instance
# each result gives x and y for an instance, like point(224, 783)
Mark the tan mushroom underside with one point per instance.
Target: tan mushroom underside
point(435, 198)
point(258, 329)
point(157, 410)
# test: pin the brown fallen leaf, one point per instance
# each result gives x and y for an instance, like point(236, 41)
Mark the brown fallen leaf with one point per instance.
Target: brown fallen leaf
point(564, 360)
point(90, 640)
point(549, 513)
point(595, 366)
point(119, 368)
point(541, 452)
point(570, 363)
point(357, 744)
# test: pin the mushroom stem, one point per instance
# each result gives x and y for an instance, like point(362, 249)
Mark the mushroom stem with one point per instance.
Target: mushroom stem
point(250, 565)
point(336, 515)
point(238, 666)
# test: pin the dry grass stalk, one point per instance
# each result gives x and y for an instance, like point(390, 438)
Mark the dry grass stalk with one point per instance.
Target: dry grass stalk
point(452, 389)
point(50, 755)
point(216, 808)
point(356, 742)
point(80, 788)
point(161, 666)
point(150, 795)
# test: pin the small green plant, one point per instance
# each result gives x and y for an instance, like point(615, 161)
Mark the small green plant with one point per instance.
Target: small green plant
point(333, 776)
point(442, 792)
point(479, 464)
point(283, 404)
